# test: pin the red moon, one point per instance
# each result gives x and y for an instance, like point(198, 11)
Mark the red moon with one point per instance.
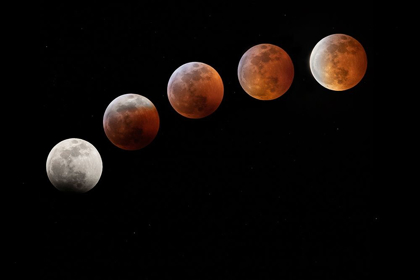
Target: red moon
point(266, 72)
point(195, 90)
point(131, 122)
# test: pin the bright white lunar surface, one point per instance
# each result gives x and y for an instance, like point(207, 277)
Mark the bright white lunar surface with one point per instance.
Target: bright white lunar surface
point(74, 165)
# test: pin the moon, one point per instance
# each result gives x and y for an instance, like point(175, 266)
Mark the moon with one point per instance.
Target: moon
point(74, 165)
point(265, 72)
point(195, 90)
point(338, 62)
point(131, 121)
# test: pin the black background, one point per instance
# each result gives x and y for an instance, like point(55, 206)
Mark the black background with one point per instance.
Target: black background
point(258, 190)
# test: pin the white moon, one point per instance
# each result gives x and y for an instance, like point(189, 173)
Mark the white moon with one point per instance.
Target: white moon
point(74, 165)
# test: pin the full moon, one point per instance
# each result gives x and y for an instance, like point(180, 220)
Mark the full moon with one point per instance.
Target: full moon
point(338, 62)
point(195, 90)
point(74, 165)
point(131, 122)
point(265, 72)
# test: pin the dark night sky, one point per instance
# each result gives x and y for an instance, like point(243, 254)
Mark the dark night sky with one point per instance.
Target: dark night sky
point(258, 190)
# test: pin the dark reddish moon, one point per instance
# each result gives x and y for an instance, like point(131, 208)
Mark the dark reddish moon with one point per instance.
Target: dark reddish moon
point(266, 72)
point(195, 90)
point(338, 62)
point(131, 121)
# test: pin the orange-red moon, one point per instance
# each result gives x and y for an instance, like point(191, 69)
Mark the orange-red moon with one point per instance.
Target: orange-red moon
point(131, 121)
point(266, 72)
point(338, 62)
point(195, 90)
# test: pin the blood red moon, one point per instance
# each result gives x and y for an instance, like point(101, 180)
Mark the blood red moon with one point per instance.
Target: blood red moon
point(195, 90)
point(131, 122)
point(265, 72)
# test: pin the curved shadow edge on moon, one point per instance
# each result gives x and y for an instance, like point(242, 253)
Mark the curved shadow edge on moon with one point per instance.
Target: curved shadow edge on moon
point(131, 122)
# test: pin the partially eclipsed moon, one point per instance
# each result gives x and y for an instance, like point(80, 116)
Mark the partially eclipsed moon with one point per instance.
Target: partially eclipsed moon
point(195, 90)
point(74, 165)
point(265, 72)
point(338, 62)
point(131, 121)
